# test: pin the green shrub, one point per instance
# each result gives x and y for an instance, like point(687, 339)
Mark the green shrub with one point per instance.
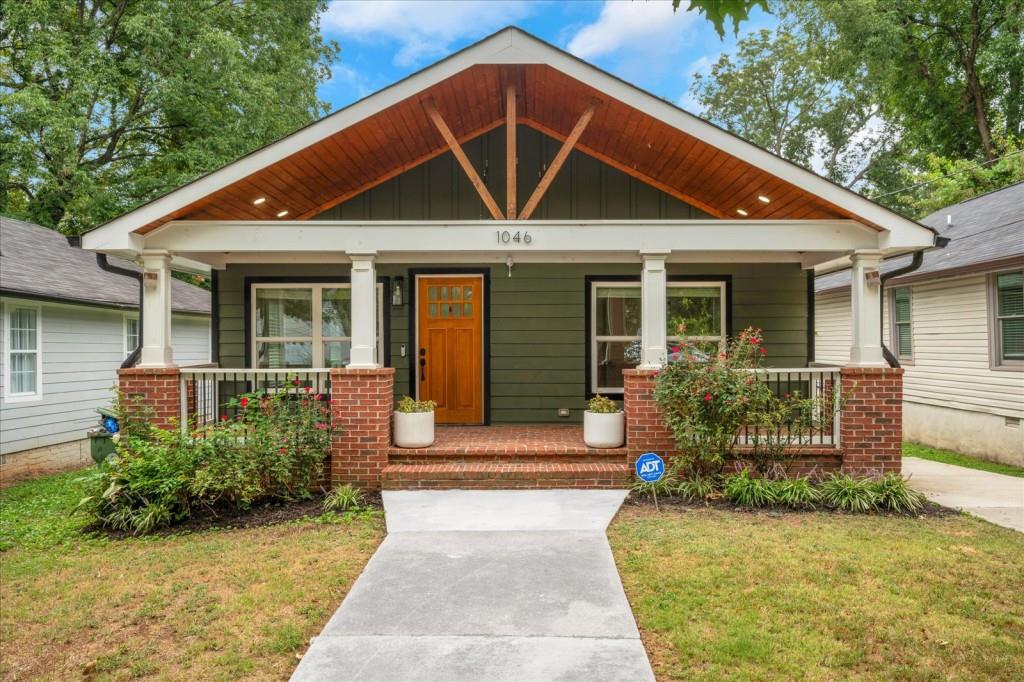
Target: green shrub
point(343, 498)
point(409, 405)
point(797, 493)
point(600, 404)
point(697, 488)
point(273, 449)
point(842, 491)
point(893, 493)
point(748, 491)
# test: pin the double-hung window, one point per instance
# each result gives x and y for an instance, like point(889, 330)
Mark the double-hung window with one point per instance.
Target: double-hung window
point(23, 363)
point(902, 328)
point(695, 315)
point(131, 334)
point(305, 325)
point(1007, 314)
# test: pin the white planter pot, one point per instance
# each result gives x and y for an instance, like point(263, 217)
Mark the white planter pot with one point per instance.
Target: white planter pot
point(604, 430)
point(414, 429)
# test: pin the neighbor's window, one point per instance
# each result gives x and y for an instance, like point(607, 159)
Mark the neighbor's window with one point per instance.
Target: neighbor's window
point(902, 329)
point(1008, 319)
point(302, 326)
point(23, 362)
point(615, 325)
point(131, 334)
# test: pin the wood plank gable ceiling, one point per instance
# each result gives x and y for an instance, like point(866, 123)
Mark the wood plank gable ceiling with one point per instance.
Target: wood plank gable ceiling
point(473, 102)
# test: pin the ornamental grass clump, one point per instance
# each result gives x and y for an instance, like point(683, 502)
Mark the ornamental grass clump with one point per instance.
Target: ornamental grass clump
point(274, 448)
point(749, 491)
point(845, 493)
point(893, 493)
point(796, 493)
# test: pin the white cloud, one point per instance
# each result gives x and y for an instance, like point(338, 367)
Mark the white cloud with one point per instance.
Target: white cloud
point(422, 30)
point(650, 28)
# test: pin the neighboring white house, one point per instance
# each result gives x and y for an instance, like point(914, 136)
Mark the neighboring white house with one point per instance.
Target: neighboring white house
point(957, 326)
point(65, 327)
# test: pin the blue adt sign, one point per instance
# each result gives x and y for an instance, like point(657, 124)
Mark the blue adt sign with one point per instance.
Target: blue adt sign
point(650, 467)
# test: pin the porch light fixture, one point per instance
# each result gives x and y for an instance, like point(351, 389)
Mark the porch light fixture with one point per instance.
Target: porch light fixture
point(763, 199)
point(741, 211)
point(259, 201)
point(398, 291)
point(281, 214)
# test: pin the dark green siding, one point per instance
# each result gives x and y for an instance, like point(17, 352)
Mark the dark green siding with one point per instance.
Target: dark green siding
point(538, 340)
point(584, 189)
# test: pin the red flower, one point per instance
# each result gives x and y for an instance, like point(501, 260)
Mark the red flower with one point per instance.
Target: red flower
point(321, 426)
point(675, 349)
point(283, 451)
point(296, 381)
point(244, 402)
point(764, 352)
point(707, 397)
point(309, 389)
point(319, 396)
point(755, 341)
point(223, 417)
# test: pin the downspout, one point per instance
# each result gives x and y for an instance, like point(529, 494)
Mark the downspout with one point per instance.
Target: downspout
point(915, 263)
point(101, 260)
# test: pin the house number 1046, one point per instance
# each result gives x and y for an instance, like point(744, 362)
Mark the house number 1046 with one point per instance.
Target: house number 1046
point(517, 237)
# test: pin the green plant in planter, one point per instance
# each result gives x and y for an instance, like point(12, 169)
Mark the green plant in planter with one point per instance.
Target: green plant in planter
point(843, 492)
point(749, 491)
point(408, 405)
point(600, 404)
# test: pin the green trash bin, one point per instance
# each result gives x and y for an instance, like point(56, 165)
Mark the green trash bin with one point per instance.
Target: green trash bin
point(101, 444)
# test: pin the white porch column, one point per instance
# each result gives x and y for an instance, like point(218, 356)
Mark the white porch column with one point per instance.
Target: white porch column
point(156, 310)
point(652, 310)
point(866, 326)
point(364, 311)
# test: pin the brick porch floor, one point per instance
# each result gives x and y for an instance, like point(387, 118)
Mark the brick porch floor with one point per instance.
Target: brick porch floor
point(507, 456)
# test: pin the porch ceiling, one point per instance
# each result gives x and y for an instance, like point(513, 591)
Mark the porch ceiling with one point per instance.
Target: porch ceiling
point(472, 101)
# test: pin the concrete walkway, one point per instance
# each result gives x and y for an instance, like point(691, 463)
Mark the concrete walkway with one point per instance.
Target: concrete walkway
point(486, 585)
point(994, 497)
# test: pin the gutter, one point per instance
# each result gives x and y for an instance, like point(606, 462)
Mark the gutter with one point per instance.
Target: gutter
point(75, 241)
point(915, 263)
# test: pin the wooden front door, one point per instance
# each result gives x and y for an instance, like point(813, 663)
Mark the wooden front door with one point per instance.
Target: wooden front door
point(449, 356)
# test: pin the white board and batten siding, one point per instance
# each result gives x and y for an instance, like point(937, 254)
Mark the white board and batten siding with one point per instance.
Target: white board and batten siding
point(81, 350)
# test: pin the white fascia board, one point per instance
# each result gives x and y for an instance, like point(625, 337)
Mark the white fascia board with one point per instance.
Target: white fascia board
point(805, 236)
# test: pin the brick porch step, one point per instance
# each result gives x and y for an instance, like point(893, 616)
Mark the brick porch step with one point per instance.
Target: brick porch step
point(503, 475)
point(522, 443)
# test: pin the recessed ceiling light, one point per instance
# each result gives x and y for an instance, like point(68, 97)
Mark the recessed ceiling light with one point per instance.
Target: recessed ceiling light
point(282, 214)
point(741, 211)
point(763, 198)
point(260, 201)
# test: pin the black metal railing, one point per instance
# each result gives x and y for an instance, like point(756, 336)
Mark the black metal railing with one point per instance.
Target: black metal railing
point(816, 389)
point(212, 394)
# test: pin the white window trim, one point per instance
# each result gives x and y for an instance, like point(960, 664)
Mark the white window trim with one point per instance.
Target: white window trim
point(124, 332)
point(670, 338)
point(894, 336)
point(995, 340)
point(317, 339)
point(9, 397)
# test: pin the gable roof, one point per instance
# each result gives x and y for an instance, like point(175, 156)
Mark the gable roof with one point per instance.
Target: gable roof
point(39, 262)
point(388, 132)
point(987, 230)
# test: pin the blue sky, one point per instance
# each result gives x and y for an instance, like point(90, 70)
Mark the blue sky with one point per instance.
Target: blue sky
point(643, 42)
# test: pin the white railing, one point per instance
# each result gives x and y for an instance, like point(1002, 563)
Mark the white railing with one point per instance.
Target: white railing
point(821, 385)
point(209, 393)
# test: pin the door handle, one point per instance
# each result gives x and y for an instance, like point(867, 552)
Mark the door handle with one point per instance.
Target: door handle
point(423, 363)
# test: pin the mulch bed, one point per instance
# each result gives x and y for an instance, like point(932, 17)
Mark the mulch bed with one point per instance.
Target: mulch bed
point(930, 509)
point(265, 514)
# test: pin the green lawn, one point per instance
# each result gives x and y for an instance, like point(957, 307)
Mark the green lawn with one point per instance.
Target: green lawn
point(733, 595)
point(223, 604)
point(950, 457)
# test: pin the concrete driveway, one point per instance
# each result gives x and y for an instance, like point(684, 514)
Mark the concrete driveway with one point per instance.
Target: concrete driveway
point(994, 497)
point(486, 585)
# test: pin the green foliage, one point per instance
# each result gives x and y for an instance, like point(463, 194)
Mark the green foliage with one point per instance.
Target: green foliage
point(273, 449)
point(343, 498)
point(749, 491)
point(797, 493)
point(105, 105)
point(697, 488)
point(843, 492)
point(958, 459)
point(892, 493)
point(38, 514)
point(718, 11)
point(408, 405)
point(600, 404)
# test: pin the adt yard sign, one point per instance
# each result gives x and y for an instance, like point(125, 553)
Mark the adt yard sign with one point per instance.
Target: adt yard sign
point(650, 467)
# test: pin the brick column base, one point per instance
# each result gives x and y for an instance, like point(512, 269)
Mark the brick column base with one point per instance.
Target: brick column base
point(156, 391)
point(871, 424)
point(645, 431)
point(362, 401)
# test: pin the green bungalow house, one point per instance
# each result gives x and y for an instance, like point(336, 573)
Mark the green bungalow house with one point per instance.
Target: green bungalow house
point(509, 232)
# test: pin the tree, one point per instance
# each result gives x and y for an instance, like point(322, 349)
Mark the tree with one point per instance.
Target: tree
point(105, 104)
point(718, 11)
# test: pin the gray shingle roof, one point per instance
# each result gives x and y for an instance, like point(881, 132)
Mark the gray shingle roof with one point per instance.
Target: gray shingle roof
point(38, 261)
point(986, 229)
